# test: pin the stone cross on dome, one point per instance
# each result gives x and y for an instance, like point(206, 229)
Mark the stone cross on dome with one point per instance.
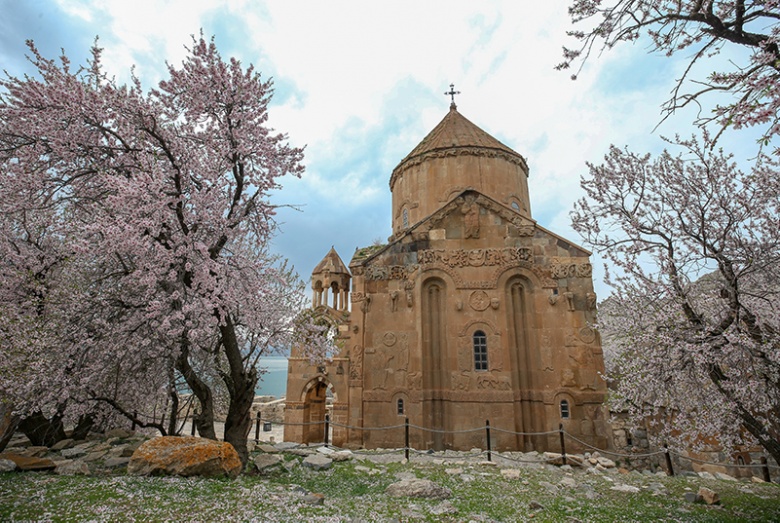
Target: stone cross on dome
point(452, 92)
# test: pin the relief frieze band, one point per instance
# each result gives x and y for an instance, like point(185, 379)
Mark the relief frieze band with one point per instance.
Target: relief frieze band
point(476, 257)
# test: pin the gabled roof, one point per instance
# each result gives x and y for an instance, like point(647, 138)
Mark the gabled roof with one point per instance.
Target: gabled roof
point(365, 257)
point(331, 263)
point(456, 131)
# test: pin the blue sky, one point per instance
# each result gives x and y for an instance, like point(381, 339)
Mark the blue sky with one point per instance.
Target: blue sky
point(361, 83)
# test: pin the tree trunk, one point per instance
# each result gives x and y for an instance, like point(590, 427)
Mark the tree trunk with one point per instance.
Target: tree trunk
point(172, 424)
point(205, 420)
point(8, 424)
point(84, 425)
point(42, 431)
point(241, 388)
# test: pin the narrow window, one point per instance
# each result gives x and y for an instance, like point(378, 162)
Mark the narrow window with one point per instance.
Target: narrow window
point(406, 219)
point(400, 406)
point(516, 206)
point(480, 351)
point(564, 409)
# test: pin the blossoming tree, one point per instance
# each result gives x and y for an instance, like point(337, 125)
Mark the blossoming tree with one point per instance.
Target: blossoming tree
point(695, 325)
point(134, 236)
point(702, 29)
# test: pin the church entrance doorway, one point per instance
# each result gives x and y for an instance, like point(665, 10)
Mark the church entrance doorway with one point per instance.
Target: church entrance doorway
point(314, 411)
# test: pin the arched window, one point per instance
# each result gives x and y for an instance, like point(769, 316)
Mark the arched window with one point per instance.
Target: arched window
point(406, 218)
point(564, 409)
point(516, 206)
point(400, 406)
point(480, 351)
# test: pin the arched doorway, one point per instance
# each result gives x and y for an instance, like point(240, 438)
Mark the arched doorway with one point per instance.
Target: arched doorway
point(314, 410)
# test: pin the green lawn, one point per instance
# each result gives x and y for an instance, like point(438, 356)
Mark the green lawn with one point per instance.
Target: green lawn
point(354, 491)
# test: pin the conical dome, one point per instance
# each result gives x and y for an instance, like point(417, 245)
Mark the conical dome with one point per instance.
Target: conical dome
point(456, 155)
point(455, 131)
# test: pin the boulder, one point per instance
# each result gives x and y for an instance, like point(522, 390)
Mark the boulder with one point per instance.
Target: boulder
point(314, 498)
point(418, 488)
point(35, 451)
point(185, 456)
point(317, 462)
point(267, 462)
point(72, 468)
point(75, 452)
point(26, 463)
point(6, 465)
point(625, 488)
point(63, 444)
point(708, 496)
point(342, 455)
point(115, 463)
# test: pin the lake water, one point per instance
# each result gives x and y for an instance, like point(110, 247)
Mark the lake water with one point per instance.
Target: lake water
point(274, 381)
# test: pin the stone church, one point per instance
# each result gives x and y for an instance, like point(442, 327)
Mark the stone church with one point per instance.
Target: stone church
point(470, 312)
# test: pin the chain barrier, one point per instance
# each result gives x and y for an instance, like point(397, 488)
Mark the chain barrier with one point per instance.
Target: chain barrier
point(543, 460)
point(735, 465)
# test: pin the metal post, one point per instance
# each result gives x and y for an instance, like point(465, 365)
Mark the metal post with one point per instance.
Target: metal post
point(257, 428)
point(765, 470)
point(327, 428)
point(487, 433)
point(194, 415)
point(669, 468)
point(563, 444)
point(406, 439)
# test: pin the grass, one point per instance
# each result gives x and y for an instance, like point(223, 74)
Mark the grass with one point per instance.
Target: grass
point(354, 491)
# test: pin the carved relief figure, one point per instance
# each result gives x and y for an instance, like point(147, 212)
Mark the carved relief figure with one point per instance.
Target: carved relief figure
point(470, 211)
point(460, 380)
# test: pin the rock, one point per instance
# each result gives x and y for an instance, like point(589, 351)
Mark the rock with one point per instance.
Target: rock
point(119, 433)
point(625, 488)
point(268, 449)
point(691, 497)
point(6, 465)
point(95, 456)
point(535, 505)
point(290, 465)
point(286, 445)
point(418, 488)
point(568, 482)
point(549, 486)
point(117, 462)
point(35, 451)
point(724, 477)
point(706, 475)
point(708, 496)
point(63, 444)
point(317, 462)
point(342, 455)
point(303, 452)
point(314, 499)
point(606, 463)
point(72, 468)
point(453, 471)
point(511, 473)
point(756, 479)
point(266, 462)
point(185, 456)
point(445, 507)
point(26, 463)
point(325, 451)
point(72, 453)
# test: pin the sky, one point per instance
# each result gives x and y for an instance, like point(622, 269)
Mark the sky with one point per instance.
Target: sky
point(361, 83)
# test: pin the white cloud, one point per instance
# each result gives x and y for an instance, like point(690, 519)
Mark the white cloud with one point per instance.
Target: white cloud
point(362, 83)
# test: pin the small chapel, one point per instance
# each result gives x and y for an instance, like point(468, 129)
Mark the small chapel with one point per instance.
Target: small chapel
point(472, 312)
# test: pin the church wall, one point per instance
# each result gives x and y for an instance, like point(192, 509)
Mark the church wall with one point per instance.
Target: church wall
point(520, 389)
